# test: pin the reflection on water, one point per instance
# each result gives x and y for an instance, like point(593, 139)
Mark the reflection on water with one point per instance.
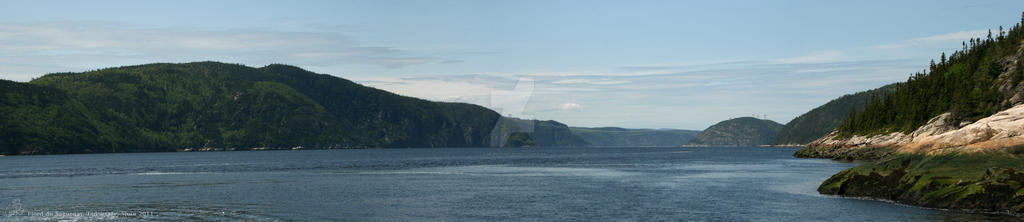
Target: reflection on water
point(439, 184)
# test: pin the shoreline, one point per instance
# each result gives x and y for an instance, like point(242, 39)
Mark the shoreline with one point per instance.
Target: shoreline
point(976, 182)
point(783, 145)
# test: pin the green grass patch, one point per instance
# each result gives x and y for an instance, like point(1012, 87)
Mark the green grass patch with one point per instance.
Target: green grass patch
point(983, 181)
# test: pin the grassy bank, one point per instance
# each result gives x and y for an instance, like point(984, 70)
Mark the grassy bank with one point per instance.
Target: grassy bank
point(976, 181)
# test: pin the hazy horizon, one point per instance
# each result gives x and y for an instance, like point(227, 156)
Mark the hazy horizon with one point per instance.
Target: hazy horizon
point(648, 64)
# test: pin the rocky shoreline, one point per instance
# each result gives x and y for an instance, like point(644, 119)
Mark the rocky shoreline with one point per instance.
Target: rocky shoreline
point(866, 153)
point(976, 182)
point(977, 166)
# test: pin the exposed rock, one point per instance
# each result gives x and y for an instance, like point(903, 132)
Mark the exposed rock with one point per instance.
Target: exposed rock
point(1001, 130)
point(982, 182)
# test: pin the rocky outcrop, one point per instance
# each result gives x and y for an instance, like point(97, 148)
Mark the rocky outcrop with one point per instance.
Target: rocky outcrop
point(1002, 130)
point(977, 166)
point(954, 161)
point(981, 182)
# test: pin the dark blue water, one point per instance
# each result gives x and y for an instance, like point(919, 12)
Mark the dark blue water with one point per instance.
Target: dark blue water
point(729, 184)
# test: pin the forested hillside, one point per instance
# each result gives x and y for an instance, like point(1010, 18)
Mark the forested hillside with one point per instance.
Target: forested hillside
point(977, 81)
point(821, 120)
point(163, 107)
point(43, 119)
point(743, 131)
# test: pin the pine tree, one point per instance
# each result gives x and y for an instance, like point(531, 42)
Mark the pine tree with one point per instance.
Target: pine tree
point(965, 83)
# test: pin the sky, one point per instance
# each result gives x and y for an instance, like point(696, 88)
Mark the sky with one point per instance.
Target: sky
point(634, 64)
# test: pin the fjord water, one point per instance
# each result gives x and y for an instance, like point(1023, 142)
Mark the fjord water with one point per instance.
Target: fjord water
point(439, 184)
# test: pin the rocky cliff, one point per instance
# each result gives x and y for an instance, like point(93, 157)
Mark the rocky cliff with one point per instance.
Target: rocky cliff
point(515, 132)
point(975, 166)
point(995, 133)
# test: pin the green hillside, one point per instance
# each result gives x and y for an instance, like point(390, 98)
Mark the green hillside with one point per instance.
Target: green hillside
point(743, 131)
point(977, 81)
point(163, 107)
point(821, 120)
point(46, 120)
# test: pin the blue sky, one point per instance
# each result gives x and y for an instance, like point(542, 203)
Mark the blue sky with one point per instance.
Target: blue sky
point(638, 64)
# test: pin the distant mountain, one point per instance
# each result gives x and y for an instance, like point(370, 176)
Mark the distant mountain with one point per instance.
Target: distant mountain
point(620, 137)
point(515, 132)
point(164, 107)
point(743, 131)
point(821, 120)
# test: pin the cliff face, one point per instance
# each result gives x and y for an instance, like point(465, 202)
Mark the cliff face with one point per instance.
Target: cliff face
point(1000, 131)
point(744, 131)
point(1003, 130)
point(975, 166)
point(515, 132)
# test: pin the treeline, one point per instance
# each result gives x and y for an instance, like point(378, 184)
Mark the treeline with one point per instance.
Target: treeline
point(821, 120)
point(971, 83)
point(164, 107)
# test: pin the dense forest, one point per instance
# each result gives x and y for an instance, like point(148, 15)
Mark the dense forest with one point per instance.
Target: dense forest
point(49, 120)
point(164, 107)
point(821, 120)
point(977, 81)
point(743, 131)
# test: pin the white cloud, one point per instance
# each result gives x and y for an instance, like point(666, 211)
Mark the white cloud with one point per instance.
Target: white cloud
point(814, 57)
point(570, 107)
point(956, 36)
point(50, 46)
point(703, 97)
point(436, 90)
point(639, 95)
point(489, 91)
point(825, 70)
point(943, 39)
point(590, 81)
point(687, 64)
point(514, 102)
point(597, 74)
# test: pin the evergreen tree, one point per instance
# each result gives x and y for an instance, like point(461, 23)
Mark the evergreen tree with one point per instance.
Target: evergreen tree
point(965, 84)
